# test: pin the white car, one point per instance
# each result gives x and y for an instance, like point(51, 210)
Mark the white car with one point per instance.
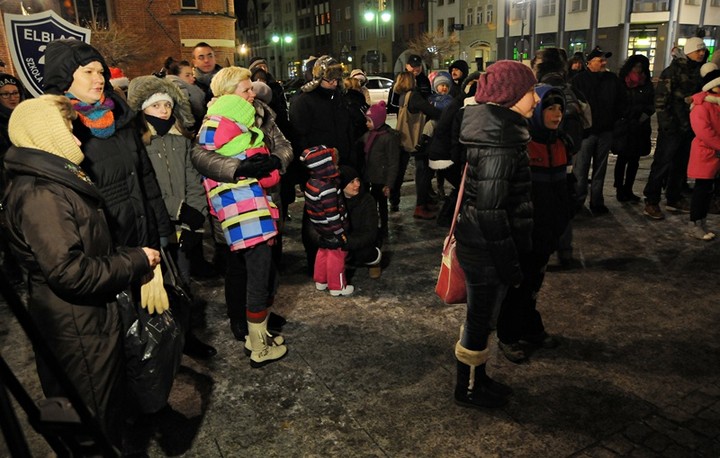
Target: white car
point(379, 88)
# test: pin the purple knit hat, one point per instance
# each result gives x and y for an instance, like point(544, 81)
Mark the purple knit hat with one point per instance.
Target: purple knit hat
point(377, 114)
point(504, 83)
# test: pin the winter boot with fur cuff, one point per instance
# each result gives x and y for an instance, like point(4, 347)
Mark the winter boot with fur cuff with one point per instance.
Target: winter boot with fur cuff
point(473, 386)
point(263, 347)
point(271, 339)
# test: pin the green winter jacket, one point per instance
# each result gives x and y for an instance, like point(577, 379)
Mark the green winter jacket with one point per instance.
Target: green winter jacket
point(677, 83)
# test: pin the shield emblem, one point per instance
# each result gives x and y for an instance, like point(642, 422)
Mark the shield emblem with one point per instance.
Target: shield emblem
point(27, 38)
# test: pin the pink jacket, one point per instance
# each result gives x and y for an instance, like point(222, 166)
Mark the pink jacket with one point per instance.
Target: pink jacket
point(705, 121)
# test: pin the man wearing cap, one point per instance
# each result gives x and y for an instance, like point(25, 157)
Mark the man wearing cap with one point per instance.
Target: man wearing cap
point(604, 92)
point(677, 83)
point(422, 82)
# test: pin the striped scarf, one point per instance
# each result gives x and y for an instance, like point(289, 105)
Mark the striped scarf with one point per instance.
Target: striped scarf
point(98, 116)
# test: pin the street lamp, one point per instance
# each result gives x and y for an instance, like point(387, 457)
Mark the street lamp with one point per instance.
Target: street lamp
point(281, 40)
point(523, 6)
point(384, 16)
point(243, 51)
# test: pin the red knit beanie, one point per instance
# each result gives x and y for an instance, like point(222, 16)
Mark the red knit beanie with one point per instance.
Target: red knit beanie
point(377, 114)
point(504, 83)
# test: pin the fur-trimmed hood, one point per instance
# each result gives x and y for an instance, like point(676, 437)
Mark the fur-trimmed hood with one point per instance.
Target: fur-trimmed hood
point(142, 87)
point(701, 97)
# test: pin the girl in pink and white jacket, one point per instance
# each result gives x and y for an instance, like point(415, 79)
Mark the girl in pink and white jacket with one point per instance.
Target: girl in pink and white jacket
point(704, 163)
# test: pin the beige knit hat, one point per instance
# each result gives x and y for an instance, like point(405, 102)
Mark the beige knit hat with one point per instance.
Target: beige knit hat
point(52, 134)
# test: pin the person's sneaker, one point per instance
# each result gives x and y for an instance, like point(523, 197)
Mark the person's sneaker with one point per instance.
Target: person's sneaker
point(697, 231)
point(422, 213)
point(542, 340)
point(514, 352)
point(681, 206)
point(346, 291)
point(632, 197)
point(320, 286)
point(598, 210)
point(653, 211)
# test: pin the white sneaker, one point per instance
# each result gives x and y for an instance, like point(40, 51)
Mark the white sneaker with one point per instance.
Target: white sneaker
point(346, 291)
point(320, 286)
point(698, 232)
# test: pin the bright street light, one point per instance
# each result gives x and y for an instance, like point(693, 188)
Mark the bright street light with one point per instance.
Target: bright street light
point(277, 39)
point(384, 16)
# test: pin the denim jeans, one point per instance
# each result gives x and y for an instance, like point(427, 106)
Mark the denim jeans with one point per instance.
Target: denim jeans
point(249, 288)
point(669, 167)
point(483, 304)
point(593, 151)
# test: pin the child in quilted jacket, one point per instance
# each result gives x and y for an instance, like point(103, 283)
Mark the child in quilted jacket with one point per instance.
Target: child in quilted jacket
point(325, 206)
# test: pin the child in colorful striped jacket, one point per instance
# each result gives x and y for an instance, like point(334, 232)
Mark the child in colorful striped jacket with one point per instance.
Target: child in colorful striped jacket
point(325, 206)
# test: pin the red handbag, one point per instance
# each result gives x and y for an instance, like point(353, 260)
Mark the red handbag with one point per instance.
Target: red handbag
point(450, 285)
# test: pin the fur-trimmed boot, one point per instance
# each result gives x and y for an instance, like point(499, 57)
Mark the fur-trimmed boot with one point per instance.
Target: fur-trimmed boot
point(263, 347)
point(472, 388)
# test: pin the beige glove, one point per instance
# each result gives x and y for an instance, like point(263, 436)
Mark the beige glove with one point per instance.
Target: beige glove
point(152, 294)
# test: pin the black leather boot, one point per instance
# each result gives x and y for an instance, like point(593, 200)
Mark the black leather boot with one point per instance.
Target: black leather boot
point(197, 349)
point(492, 385)
point(479, 395)
point(239, 329)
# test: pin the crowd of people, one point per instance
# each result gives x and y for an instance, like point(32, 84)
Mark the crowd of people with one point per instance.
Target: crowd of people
point(120, 174)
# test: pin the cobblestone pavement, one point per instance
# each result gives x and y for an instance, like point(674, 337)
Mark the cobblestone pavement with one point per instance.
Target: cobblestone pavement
point(637, 372)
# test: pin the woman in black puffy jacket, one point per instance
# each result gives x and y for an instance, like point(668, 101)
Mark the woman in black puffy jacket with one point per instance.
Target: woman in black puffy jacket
point(495, 221)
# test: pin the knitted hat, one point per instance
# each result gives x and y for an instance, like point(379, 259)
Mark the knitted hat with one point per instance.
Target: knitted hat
point(262, 91)
point(710, 76)
point(157, 97)
point(441, 78)
point(255, 61)
point(9, 79)
point(63, 57)
point(460, 65)
point(144, 87)
point(504, 83)
point(358, 74)
point(39, 124)
point(319, 161)
point(693, 44)
point(347, 174)
point(227, 119)
point(377, 114)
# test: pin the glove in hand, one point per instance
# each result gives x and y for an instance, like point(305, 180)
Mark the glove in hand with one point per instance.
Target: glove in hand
point(192, 217)
point(253, 167)
point(153, 296)
point(189, 240)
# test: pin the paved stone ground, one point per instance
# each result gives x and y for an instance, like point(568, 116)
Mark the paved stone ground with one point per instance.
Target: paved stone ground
point(637, 374)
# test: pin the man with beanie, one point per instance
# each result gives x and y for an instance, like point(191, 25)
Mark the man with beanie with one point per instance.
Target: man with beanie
point(605, 94)
point(459, 71)
point(677, 83)
point(495, 222)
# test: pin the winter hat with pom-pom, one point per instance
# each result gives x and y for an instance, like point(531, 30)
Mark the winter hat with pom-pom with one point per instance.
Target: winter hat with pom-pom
point(377, 114)
point(441, 78)
point(504, 83)
point(710, 76)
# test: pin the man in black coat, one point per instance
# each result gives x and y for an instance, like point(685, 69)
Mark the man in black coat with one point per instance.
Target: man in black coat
point(606, 96)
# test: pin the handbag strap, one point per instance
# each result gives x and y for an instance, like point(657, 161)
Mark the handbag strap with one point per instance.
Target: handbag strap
point(461, 191)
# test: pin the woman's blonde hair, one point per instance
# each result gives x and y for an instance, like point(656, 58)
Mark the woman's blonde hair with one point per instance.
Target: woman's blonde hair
point(405, 82)
point(227, 80)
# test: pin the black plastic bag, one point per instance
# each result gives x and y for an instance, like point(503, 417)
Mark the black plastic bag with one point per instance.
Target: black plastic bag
point(153, 349)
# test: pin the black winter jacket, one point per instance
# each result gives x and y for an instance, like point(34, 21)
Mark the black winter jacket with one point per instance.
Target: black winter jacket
point(495, 221)
point(121, 169)
point(606, 96)
point(321, 117)
point(58, 232)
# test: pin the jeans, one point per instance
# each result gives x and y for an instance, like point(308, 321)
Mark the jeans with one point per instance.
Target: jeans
point(483, 304)
point(594, 150)
point(669, 167)
point(519, 317)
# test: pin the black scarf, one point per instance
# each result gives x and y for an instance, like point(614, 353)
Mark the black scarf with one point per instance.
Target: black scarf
point(162, 126)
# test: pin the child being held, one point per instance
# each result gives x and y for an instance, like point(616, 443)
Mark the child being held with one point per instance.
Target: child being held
point(246, 213)
point(325, 207)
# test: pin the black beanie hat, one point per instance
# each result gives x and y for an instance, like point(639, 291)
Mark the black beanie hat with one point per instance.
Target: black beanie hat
point(347, 174)
point(62, 58)
point(462, 66)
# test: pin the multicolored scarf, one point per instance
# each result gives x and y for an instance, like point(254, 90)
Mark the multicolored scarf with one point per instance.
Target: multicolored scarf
point(98, 116)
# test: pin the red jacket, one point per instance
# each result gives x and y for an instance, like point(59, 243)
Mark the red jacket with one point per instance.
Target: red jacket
point(705, 121)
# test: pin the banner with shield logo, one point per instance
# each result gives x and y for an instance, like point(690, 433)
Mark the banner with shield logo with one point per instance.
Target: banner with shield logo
point(28, 35)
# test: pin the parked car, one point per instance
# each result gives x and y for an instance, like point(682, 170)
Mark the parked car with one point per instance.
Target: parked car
point(379, 88)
